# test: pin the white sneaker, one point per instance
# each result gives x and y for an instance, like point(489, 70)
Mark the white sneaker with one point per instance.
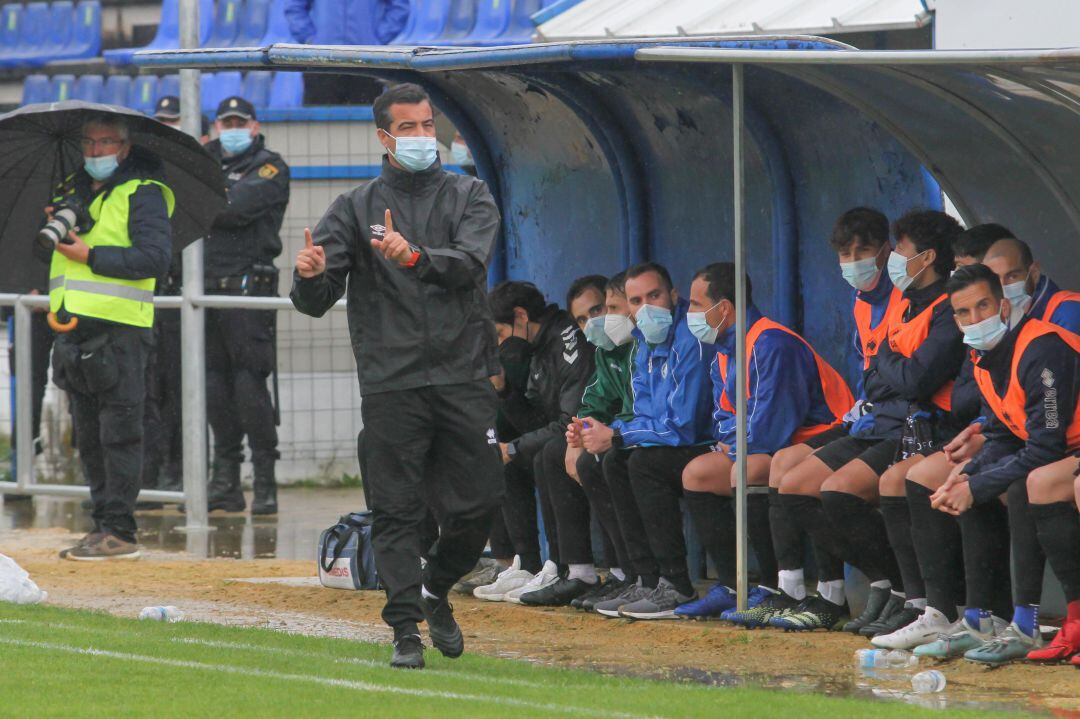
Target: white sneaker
point(548, 574)
point(513, 577)
point(923, 630)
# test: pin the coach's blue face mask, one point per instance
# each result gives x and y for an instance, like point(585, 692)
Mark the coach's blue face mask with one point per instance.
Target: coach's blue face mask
point(594, 332)
point(415, 154)
point(654, 322)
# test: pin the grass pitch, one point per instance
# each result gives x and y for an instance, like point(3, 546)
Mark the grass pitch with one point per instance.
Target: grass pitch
point(67, 663)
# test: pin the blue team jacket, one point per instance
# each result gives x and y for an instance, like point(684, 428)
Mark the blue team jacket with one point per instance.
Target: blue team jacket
point(672, 397)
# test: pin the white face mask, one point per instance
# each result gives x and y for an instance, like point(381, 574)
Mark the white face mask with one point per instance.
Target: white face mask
point(618, 328)
point(898, 269)
point(1016, 294)
point(985, 335)
point(862, 274)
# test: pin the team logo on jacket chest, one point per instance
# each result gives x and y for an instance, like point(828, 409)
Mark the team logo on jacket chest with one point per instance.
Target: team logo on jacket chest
point(377, 230)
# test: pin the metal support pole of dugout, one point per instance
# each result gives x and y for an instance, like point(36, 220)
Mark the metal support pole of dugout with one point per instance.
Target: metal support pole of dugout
point(737, 110)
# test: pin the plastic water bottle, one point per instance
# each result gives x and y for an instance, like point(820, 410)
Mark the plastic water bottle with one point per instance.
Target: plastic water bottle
point(872, 658)
point(161, 614)
point(928, 682)
point(900, 659)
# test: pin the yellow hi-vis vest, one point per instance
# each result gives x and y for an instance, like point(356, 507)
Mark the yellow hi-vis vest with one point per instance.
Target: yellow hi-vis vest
point(76, 288)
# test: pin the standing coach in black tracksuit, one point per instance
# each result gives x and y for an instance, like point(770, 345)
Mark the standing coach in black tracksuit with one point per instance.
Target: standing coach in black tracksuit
point(411, 249)
point(240, 352)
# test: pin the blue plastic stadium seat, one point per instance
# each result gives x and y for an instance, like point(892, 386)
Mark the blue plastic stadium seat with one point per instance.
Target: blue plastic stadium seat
point(88, 88)
point(168, 32)
point(11, 17)
point(257, 88)
point(226, 23)
point(168, 85)
point(217, 87)
point(431, 20)
point(253, 23)
point(117, 90)
point(277, 25)
point(460, 24)
point(143, 93)
point(63, 87)
point(85, 41)
point(287, 90)
point(36, 89)
point(521, 27)
point(58, 24)
point(492, 20)
point(32, 36)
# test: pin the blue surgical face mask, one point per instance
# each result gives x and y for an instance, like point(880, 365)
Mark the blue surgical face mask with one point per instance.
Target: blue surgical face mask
point(459, 153)
point(700, 327)
point(1017, 295)
point(594, 332)
point(101, 168)
point(861, 274)
point(898, 269)
point(415, 154)
point(985, 335)
point(654, 322)
point(236, 140)
point(618, 328)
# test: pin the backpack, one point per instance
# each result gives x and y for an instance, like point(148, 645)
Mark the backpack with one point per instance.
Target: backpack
point(346, 557)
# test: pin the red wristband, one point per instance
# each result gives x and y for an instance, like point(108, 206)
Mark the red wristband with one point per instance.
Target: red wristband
point(412, 260)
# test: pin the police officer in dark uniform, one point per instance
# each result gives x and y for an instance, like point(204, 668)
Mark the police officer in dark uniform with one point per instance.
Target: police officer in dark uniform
point(240, 351)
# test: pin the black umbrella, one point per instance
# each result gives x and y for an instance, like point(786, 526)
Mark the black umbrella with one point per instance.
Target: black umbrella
point(40, 146)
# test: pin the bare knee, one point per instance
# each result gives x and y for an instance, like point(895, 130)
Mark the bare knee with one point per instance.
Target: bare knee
point(707, 473)
point(785, 460)
point(894, 482)
point(932, 472)
point(854, 478)
point(805, 478)
point(1052, 483)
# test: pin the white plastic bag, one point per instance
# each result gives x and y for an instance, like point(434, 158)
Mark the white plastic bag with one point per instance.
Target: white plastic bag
point(16, 585)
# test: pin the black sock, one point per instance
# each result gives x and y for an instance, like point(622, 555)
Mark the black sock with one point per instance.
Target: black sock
point(786, 535)
point(985, 528)
point(808, 514)
point(1027, 552)
point(1058, 527)
point(757, 520)
point(530, 562)
point(867, 544)
point(897, 516)
point(682, 584)
point(939, 548)
point(649, 581)
point(715, 523)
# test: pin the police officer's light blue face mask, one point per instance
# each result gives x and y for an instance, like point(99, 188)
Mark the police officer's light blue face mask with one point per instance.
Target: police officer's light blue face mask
point(985, 335)
point(700, 327)
point(594, 332)
point(236, 140)
point(654, 322)
point(415, 154)
point(101, 168)
point(898, 269)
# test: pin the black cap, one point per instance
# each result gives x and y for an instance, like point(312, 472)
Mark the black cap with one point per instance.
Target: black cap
point(168, 108)
point(235, 106)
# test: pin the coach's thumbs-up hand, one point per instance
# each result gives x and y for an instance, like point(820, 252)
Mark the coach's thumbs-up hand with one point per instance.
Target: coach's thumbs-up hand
point(393, 246)
point(310, 261)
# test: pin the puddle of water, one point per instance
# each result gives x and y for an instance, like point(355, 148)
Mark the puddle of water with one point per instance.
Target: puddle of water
point(292, 534)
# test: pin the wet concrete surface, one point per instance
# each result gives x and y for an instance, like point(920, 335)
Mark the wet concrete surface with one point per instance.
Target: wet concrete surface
point(292, 534)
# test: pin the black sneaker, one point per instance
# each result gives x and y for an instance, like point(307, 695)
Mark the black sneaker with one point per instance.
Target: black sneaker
point(443, 628)
point(888, 625)
point(812, 613)
point(601, 591)
point(408, 652)
point(558, 594)
point(881, 604)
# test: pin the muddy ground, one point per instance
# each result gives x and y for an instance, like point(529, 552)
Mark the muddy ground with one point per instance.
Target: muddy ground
point(209, 590)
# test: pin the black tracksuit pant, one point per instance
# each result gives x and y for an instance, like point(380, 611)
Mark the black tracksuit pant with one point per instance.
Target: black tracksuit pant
point(104, 373)
point(567, 503)
point(429, 447)
point(239, 357)
point(591, 471)
point(523, 484)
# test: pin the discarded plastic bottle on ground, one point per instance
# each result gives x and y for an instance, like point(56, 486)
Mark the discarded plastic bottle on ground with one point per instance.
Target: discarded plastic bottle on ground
point(928, 682)
point(161, 614)
point(900, 659)
point(872, 658)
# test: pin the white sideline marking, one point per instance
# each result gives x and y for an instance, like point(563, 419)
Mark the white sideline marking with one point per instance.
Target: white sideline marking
point(354, 660)
point(324, 681)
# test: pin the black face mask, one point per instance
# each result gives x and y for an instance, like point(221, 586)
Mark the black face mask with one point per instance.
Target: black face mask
point(514, 356)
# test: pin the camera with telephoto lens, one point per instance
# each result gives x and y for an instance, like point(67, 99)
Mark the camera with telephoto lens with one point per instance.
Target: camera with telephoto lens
point(67, 215)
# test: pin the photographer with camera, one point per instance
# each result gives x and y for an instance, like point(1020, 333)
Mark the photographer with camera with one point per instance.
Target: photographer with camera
point(240, 344)
point(108, 236)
